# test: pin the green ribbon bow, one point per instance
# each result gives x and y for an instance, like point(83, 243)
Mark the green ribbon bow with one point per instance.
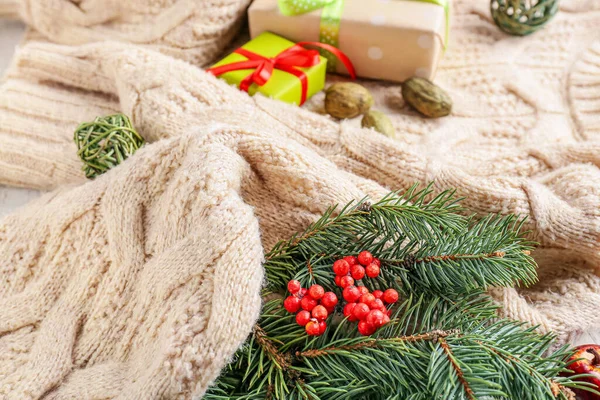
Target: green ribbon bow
point(331, 18)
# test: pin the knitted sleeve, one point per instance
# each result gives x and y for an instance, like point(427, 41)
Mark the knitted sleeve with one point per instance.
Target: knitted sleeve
point(138, 285)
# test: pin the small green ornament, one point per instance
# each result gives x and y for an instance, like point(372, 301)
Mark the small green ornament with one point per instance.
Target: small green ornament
point(105, 143)
point(522, 17)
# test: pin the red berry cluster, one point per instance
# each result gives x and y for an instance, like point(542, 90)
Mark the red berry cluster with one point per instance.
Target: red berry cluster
point(316, 305)
point(367, 308)
point(350, 269)
point(312, 306)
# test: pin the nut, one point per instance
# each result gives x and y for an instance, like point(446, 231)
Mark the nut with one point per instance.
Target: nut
point(427, 98)
point(347, 100)
point(378, 121)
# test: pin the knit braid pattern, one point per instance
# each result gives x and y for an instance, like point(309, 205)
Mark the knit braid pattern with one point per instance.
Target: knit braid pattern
point(192, 30)
point(140, 284)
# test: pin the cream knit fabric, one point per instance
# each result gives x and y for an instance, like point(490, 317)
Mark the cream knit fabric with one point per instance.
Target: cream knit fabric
point(524, 138)
point(138, 285)
point(193, 30)
point(142, 283)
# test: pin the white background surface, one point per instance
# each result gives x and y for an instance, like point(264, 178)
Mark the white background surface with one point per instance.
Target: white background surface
point(12, 198)
point(10, 34)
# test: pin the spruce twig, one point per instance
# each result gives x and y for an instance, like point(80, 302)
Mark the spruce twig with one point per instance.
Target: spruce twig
point(445, 339)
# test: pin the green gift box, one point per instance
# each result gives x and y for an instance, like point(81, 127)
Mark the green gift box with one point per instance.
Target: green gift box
point(275, 67)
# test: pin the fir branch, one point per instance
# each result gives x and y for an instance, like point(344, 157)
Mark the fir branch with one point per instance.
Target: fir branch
point(426, 248)
point(454, 257)
point(445, 339)
point(489, 252)
point(457, 369)
point(394, 218)
point(282, 361)
point(433, 336)
point(412, 366)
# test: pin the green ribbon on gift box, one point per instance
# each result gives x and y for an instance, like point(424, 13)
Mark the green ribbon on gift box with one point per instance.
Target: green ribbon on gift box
point(331, 18)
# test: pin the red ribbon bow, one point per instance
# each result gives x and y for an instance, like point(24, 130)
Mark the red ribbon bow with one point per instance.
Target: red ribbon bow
point(288, 60)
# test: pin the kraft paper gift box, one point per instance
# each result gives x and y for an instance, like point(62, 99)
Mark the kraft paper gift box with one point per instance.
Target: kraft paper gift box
point(385, 39)
point(281, 85)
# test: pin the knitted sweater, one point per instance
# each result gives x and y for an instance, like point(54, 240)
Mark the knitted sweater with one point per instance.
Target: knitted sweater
point(138, 285)
point(524, 138)
point(195, 31)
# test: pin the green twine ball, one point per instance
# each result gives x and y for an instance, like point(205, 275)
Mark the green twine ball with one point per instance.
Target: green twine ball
point(105, 143)
point(522, 17)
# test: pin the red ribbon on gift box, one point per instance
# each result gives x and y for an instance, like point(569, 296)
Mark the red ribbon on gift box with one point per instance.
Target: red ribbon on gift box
point(288, 60)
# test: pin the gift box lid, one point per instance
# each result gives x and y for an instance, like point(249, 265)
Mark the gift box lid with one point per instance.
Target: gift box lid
point(392, 40)
point(282, 85)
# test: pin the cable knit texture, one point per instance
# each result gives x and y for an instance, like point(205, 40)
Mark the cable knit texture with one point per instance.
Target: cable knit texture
point(138, 285)
point(193, 30)
point(111, 282)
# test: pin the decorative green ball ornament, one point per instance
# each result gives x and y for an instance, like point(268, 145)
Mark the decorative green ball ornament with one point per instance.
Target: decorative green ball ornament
point(522, 17)
point(105, 143)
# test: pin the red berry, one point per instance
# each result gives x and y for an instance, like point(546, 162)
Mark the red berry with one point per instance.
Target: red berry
point(365, 328)
point(363, 290)
point(376, 261)
point(302, 318)
point(322, 327)
point(348, 311)
point(316, 292)
point(357, 272)
point(390, 296)
point(291, 304)
point(389, 313)
point(319, 312)
point(293, 286)
point(351, 294)
point(365, 258)
point(360, 311)
point(351, 260)
point(372, 270)
point(367, 299)
point(346, 281)
point(377, 304)
point(386, 319)
point(312, 328)
point(329, 300)
point(308, 303)
point(302, 292)
point(377, 294)
point(338, 280)
point(375, 318)
point(330, 310)
point(341, 267)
